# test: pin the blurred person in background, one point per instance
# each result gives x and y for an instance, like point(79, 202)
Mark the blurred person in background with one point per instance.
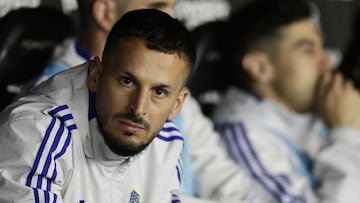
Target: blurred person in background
point(288, 119)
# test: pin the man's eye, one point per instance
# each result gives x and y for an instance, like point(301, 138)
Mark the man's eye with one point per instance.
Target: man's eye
point(125, 81)
point(309, 50)
point(160, 92)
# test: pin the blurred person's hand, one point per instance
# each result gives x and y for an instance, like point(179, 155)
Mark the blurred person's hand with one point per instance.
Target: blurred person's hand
point(337, 101)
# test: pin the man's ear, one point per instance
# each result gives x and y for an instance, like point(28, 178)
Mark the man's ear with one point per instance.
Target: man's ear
point(104, 14)
point(258, 66)
point(95, 68)
point(178, 104)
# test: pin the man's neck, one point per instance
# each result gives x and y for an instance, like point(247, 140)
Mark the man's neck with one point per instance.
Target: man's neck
point(93, 41)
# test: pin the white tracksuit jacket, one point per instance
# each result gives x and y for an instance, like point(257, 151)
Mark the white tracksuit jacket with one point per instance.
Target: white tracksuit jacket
point(51, 151)
point(213, 175)
point(272, 143)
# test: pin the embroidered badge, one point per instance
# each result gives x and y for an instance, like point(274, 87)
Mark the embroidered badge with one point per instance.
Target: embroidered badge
point(134, 197)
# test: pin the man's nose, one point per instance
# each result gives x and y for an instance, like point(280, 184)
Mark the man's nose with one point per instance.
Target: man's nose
point(138, 103)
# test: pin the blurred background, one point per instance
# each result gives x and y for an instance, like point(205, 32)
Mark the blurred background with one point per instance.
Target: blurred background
point(336, 15)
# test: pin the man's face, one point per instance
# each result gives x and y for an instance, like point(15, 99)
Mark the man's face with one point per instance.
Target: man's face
point(137, 89)
point(298, 64)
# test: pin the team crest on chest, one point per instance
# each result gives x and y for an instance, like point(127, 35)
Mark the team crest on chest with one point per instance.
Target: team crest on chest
point(134, 197)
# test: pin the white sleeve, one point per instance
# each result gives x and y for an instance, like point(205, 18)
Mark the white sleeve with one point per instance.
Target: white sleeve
point(268, 162)
point(337, 167)
point(28, 172)
point(216, 176)
point(173, 187)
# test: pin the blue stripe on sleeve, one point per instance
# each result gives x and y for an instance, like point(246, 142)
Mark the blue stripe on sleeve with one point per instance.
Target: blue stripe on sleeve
point(234, 140)
point(169, 139)
point(47, 197)
point(58, 109)
point(66, 117)
point(263, 177)
point(49, 156)
point(278, 184)
point(36, 195)
point(55, 198)
point(65, 146)
point(175, 198)
point(72, 127)
point(169, 129)
point(169, 132)
point(50, 149)
point(178, 174)
point(41, 149)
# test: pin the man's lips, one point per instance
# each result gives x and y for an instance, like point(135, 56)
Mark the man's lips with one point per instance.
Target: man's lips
point(131, 127)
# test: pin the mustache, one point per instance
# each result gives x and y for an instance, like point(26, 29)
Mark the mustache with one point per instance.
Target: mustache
point(133, 118)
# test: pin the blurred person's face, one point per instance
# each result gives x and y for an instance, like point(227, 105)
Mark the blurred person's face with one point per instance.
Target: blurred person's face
point(298, 63)
point(137, 89)
point(163, 5)
point(128, 5)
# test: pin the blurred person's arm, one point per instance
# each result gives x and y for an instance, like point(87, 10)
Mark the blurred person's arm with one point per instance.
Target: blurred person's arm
point(337, 167)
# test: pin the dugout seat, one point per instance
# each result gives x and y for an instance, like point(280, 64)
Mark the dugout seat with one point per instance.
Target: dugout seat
point(210, 77)
point(27, 39)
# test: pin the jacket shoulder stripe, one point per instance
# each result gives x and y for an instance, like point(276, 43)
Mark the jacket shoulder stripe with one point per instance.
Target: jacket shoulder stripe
point(170, 132)
point(56, 140)
point(237, 139)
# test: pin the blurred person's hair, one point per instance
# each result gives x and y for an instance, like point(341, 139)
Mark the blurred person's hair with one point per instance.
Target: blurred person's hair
point(256, 27)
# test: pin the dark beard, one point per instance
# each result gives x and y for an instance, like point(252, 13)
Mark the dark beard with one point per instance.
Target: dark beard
point(122, 148)
point(119, 146)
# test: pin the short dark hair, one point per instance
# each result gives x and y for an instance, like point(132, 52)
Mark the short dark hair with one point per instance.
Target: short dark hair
point(158, 29)
point(256, 23)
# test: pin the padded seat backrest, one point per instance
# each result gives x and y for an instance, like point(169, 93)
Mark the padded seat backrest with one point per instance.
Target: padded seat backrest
point(210, 78)
point(28, 37)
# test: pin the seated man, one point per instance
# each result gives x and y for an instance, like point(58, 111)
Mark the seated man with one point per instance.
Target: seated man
point(208, 173)
point(100, 132)
point(291, 122)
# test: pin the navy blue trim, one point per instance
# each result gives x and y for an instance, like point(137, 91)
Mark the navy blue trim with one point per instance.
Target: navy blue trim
point(175, 198)
point(257, 160)
point(40, 151)
point(248, 165)
point(169, 129)
point(92, 109)
point(36, 195)
point(67, 117)
point(267, 175)
point(47, 197)
point(58, 109)
point(72, 127)
point(49, 156)
point(169, 139)
point(178, 174)
point(66, 144)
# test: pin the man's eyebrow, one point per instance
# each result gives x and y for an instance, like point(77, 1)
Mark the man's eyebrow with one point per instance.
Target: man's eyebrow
point(164, 86)
point(129, 75)
point(159, 85)
point(304, 42)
